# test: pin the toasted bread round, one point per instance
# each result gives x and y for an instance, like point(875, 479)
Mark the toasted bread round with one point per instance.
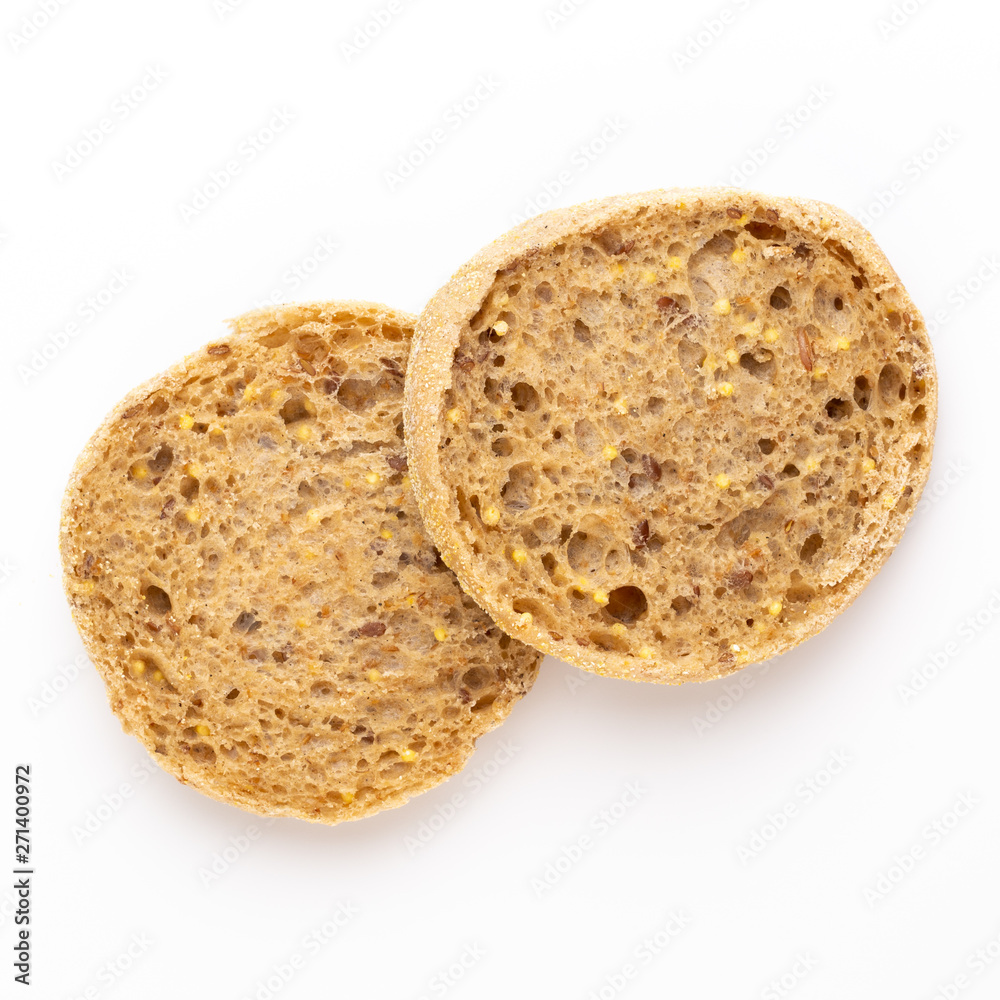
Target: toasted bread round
point(665, 435)
point(250, 576)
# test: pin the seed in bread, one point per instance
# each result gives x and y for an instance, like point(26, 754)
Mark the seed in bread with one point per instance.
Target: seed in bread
point(666, 435)
point(248, 570)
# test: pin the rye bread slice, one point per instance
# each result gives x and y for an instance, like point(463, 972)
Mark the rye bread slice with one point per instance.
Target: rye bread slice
point(665, 435)
point(248, 571)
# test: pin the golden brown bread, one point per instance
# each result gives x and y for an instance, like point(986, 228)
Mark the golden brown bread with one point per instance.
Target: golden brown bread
point(664, 435)
point(248, 571)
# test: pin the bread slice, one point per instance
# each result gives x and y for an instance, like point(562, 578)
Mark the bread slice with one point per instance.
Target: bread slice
point(665, 435)
point(247, 568)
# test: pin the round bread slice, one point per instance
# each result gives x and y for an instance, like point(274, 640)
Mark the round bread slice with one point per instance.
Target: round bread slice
point(248, 570)
point(665, 435)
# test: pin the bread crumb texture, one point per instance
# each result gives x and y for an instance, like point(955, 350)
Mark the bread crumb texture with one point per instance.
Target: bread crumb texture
point(248, 570)
point(692, 427)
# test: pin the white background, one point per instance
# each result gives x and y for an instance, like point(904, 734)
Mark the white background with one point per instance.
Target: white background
point(121, 868)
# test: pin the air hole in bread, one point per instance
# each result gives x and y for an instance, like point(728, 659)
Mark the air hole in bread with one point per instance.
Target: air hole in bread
point(766, 446)
point(681, 605)
point(502, 447)
point(247, 622)
point(919, 414)
point(710, 269)
point(162, 460)
point(588, 440)
point(764, 231)
point(838, 409)
point(189, 487)
point(614, 561)
point(530, 539)
point(157, 600)
point(608, 642)
point(312, 347)
point(611, 242)
point(476, 678)
point(233, 694)
point(585, 552)
point(691, 355)
point(203, 754)
point(518, 492)
point(277, 338)
point(490, 387)
point(544, 291)
point(789, 471)
point(891, 388)
point(297, 408)
point(799, 592)
point(356, 395)
point(862, 392)
point(780, 298)
point(720, 245)
point(760, 365)
point(524, 397)
point(838, 303)
point(581, 332)
point(810, 547)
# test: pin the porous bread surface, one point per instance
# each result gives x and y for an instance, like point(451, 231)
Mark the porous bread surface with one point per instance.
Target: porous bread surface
point(247, 567)
point(665, 435)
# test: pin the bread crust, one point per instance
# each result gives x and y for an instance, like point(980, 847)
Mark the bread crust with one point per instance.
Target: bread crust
point(308, 666)
point(445, 328)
